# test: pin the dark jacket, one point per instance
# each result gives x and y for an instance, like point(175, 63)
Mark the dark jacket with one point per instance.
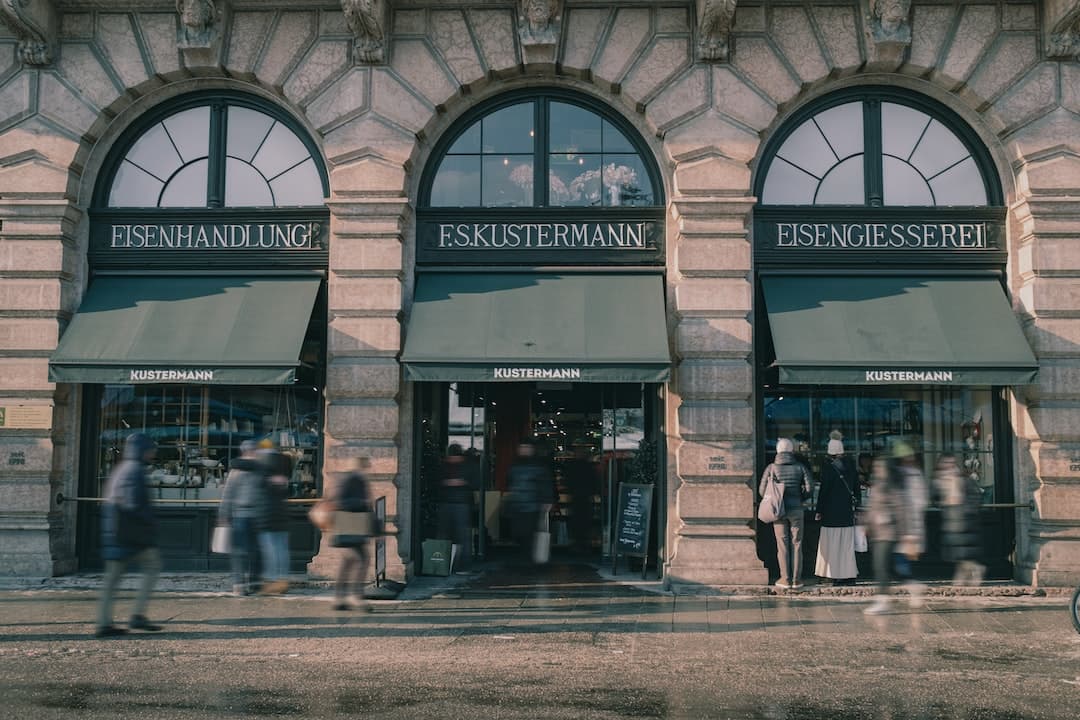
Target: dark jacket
point(456, 487)
point(795, 478)
point(529, 485)
point(128, 521)
point(353, 494)
point(839, 493)
point(278, 468)
point(246, 494)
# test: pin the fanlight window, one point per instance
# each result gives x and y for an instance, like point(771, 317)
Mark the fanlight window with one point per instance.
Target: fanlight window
point(172, 165)
point(914, 160)
point(497, 160)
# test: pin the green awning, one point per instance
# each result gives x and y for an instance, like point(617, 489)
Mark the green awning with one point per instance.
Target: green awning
point(885, 330)
point(187, 329)
point(512, 327)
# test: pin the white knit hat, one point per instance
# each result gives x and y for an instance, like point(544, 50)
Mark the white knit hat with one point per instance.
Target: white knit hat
point(836, 443)
point(784, 445)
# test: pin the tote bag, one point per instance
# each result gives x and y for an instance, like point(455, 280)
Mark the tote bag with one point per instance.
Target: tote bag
point(219, 541)
point(771, 508)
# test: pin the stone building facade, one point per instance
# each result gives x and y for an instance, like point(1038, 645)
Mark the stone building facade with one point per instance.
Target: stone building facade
point(376, 84)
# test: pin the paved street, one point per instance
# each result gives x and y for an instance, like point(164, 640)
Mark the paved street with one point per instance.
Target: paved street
point(571, 646)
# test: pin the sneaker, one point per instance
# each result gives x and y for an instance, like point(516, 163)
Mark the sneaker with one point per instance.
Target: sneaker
point(139, 622)
point(917, 594)
point(797, 585)
point(341, 606)
point(782, 584)
point(239, 590)
point(109, 631)
point(879, 606)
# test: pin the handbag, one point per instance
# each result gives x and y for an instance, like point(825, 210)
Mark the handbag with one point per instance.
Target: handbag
point(771, 508)
point(542, 540)
point(219, 541)
point(321, 515)
point(351, 528)
point(861, 543)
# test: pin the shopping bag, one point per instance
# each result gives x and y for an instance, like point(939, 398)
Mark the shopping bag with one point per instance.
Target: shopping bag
point(436, 557)
point(541, 547)
point(321, 515)
point(219, 541)
point(861, 545)
point(351, 528)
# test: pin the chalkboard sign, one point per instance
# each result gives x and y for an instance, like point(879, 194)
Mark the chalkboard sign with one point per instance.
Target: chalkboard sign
point(632, 524)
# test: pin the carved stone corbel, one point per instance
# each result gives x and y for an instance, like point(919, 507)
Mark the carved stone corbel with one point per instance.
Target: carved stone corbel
point(367, 20)
point(200, 23)
point(714, 30)
point(539, 22)
point(888, 25)
point(34, 25)
point(1062, 29)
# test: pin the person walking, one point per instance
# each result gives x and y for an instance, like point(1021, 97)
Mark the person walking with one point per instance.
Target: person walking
point(244, 508)
point(530, 494)
point(129, 534)
point(455, 507)
point(838, 498)
point(898, 500)
point(274, 537)
point(960, 500)
point(795, 478)
point(353, 495)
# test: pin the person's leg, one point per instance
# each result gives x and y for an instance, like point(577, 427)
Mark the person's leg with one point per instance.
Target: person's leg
point(255, 559)
point(348, 560)
point(359, 583)
point(883, 552)
point(269, 555)
point(149, 560)
point(783, 549)
point(796, 521)
point(281, 549)
point(463, 536)
point(238, 557)
point(114, 570)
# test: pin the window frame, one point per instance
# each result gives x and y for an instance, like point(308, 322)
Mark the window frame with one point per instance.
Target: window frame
point(218, 102)
point(871, 98)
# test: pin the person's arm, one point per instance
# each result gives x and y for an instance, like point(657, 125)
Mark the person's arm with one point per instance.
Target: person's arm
point(225, 508)
point(807, 482)
point(763, 483)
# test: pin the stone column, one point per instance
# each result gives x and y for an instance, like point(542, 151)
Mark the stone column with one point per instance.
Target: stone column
point(711, 497)
point(362, 377)
point(1048, 426)
point(39, 261)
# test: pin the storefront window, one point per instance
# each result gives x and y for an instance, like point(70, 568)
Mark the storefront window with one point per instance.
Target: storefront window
point(198, 430)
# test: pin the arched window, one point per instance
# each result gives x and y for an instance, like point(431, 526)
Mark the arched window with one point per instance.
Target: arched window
point(876, 147)
point(500, 155)
point(214, 152)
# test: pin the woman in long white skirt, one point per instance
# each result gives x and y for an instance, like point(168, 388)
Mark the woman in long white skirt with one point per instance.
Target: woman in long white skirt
point(837, 499)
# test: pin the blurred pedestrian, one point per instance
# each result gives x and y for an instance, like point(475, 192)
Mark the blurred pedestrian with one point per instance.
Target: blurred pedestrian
point(274, 537)
point(352, 495)
point(838, 498)
point(796, 481)
point(960, 500)
point(245, 505)
point(898, 500)
point(129, 534)
point(456, 507)
point(530, 495)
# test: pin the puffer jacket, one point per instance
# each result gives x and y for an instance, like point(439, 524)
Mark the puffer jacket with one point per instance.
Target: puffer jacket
point(898, 507)
point(128, 523)
point(793, 475)
point(246, 494)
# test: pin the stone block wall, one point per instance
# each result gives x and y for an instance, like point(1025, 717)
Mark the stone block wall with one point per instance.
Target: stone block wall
point(376, 125)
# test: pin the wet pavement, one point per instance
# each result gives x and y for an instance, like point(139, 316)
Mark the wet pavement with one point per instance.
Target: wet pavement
point(568, 643)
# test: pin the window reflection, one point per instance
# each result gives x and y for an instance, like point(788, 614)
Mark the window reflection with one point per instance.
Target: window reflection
point(509, 130)
point(187, 188)
point(457, 183)
point(507, 181)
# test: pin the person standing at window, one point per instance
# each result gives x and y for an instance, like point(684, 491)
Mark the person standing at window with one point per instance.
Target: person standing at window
point(455, 509)
point(129, 534)
point(274, 538)
point(838, 497)
point(245, 509)
point(795, 477)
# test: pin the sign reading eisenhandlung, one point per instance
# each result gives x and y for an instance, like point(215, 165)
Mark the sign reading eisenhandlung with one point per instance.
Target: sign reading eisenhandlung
point(215, 236)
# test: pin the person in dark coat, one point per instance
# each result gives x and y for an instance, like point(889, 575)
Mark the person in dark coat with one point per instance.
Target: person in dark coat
point(456, 506)
point(129, 534)
point(795, 478)
point(274, 538)
point(960, 500)
point(838, 496)
point(530, 494)
point(583, 484)
point(245, 509)
point(353, 495)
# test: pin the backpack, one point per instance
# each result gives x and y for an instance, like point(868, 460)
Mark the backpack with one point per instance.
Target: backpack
point(771, 508)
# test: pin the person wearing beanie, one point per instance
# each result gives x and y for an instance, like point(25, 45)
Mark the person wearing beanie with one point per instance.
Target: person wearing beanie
point(245, 508)
point(795, 479)
point(838, 499)
point(129, 534)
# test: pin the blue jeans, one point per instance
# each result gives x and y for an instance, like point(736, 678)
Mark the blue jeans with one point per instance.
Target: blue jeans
point(244, 557)
point(275, 554)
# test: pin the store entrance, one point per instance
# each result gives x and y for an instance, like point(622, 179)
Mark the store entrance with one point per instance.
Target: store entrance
point(588, 437)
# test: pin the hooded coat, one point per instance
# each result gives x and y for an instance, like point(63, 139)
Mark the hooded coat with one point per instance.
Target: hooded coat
point(128, 523)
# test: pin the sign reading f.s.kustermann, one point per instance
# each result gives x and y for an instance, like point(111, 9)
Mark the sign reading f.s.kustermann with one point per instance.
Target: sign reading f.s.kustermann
point(633, 235)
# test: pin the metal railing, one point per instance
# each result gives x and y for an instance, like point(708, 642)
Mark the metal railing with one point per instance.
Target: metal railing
point(61, 498)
